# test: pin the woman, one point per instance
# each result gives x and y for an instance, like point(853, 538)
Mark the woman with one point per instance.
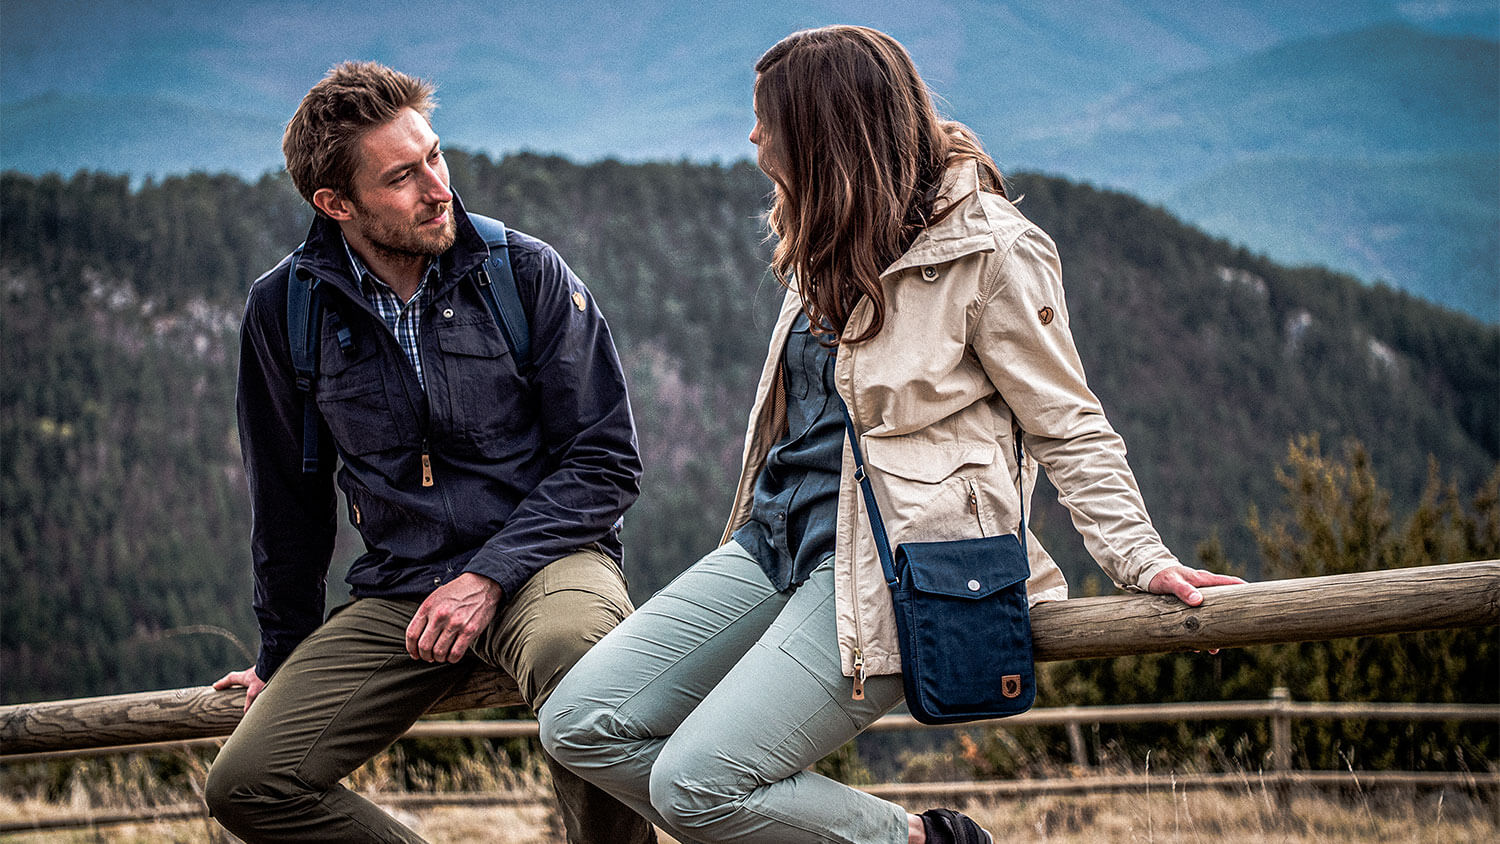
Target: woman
point(940, 322)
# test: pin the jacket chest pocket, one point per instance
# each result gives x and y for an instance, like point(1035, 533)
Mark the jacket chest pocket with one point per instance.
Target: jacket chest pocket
point(934, 493)
point(353, 399)
point(482, 391)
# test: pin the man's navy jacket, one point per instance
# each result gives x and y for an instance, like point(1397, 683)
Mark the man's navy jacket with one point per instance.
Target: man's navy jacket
point(525, 470)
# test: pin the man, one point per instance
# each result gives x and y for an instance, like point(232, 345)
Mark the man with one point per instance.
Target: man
point(488, 498)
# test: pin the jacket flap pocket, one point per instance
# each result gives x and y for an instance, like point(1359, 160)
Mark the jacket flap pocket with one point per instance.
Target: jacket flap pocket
point(334, 361)
point(964, 568)
point(475, 339)
point(926, 462)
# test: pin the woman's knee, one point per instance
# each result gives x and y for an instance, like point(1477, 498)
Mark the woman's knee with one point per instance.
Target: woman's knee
point(579, 733)
point(693, 793)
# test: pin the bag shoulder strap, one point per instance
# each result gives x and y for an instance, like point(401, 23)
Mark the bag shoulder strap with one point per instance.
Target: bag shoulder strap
point(877, 524)
point(497, 286)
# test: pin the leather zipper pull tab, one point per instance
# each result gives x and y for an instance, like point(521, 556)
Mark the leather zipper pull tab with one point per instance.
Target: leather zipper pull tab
point(426, 465)
point(859, 676)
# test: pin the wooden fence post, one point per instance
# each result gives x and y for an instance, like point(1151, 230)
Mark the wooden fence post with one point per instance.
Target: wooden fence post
point(1281, 746)
point(1075, 742)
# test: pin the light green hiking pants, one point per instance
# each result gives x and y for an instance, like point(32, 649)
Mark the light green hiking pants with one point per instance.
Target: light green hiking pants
point(704, 708)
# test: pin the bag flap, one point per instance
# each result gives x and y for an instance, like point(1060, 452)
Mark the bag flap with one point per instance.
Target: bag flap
point(964, 568)
point(919, 460)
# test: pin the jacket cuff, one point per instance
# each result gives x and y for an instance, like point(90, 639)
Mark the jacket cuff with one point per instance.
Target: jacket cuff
point(1152, 569)
point(510, 575)
point(267, 664)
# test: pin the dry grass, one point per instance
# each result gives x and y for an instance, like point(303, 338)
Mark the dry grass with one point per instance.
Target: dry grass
point(1165, 815)
point(1206, 816)
point(1162, 817)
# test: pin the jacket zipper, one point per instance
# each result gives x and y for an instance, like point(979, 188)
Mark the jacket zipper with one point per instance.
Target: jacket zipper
point(428, 481)
point(859, 672)
point(858, 692)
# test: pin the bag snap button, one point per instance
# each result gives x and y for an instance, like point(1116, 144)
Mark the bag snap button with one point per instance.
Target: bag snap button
point(973, 586)
point(448, 313)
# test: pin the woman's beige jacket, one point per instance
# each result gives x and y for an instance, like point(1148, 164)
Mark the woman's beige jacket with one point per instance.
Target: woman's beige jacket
point(975, 346)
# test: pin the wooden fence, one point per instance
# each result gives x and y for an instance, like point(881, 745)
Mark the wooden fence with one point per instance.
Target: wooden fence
point(1368, 603)
point(1275, 779)
point(1304, 609)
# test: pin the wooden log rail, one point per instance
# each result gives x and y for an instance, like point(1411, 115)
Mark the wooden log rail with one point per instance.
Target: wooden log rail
point(1305, 609)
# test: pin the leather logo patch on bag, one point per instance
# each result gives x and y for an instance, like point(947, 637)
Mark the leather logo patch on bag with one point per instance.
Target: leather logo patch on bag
point(1010, 685)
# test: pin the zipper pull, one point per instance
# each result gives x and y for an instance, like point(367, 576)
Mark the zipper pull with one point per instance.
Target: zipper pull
point(426, 465)
point(973, 499)
point(859, 675)
point(358, 518)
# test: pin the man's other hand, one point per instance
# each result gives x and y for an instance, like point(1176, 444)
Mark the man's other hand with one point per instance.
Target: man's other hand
point(247, 678)
point(452, 617)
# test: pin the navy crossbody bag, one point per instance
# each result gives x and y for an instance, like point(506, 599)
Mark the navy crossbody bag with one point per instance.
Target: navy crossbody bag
point(961, 617)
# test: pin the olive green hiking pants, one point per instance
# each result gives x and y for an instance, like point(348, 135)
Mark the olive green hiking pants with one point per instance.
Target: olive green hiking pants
point(350, 690)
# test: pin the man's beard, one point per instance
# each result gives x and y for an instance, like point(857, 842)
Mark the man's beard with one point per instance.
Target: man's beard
point(409, 240)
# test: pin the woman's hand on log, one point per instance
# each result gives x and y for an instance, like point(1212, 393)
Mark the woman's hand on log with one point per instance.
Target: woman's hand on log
point(1184, 582)
point(247, 678)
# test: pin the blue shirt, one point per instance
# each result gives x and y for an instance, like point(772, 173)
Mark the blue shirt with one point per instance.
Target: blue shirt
point(795, 507)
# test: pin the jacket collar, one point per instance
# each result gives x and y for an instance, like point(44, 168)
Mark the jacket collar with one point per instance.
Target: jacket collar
point(324, 254)
point(964, 231)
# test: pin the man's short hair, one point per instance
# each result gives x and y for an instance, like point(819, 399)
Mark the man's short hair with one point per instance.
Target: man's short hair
point(322, 138)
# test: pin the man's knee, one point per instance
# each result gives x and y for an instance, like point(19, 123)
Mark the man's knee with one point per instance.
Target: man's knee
point(244, 790)
point(570, 606)
point(219, 791)
point(552, 653)
point(240, 790)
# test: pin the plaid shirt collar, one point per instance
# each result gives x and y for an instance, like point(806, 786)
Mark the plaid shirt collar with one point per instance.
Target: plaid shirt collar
point(403, 318)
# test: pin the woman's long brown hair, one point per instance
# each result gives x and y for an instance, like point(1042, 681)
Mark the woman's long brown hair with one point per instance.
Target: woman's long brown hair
point(857, 152)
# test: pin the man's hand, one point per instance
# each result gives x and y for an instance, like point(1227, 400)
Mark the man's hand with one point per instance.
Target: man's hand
point(1183, 582)
point(247, 678)
point(452, 617)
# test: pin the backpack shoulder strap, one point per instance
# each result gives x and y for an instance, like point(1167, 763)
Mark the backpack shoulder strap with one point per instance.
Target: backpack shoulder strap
point(497, 285)
point(304, 325)
point(304, 312)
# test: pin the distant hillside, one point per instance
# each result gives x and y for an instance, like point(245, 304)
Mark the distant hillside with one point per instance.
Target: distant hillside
point(1375, 152)
point(123, 513)
point(1429, 224)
